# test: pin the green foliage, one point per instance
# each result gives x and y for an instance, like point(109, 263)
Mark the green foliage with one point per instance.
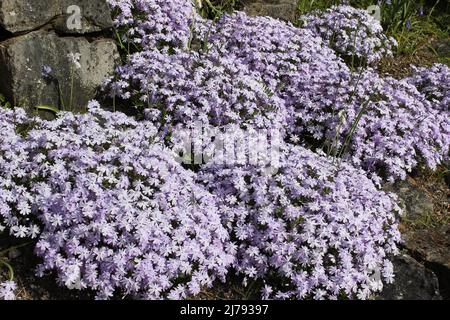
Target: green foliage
point(306, 6)
point(4, 263)
point(422, 31)
point(413, 23)
point(4, 103)
point(47, 108)
point(8, 266)
point(395, 14)
point(215, 8)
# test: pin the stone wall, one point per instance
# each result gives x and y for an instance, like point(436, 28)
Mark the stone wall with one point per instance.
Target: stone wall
point(50, 36)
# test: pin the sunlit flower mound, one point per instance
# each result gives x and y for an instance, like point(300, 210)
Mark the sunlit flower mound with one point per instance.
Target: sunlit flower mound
point(308, 229)
point(117, 214)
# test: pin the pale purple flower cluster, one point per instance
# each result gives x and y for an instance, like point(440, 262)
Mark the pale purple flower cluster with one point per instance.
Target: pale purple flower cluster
point(309, 229)
point(284, 75)
point(151, 24)
point(7, 290)
point(399, 129)
point(295, 65)
point(119, 215)
point(353, 33)
point(187, 87)
point(178, 85)
point(16, 171)
point(434, 83)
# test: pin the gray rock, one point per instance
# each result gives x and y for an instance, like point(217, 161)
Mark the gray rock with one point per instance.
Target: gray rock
point(279, 9)
point(95, 16)
point(22, 59)
point(432, 245)
point(412, 282)
point(18, 16)
point(423, 240)
point(24, 15)
point(415, 202)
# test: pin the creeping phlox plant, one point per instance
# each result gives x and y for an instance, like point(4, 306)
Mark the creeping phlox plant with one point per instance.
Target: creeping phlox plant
point(307, 229)
point(324, 100)
point(398, 128)
point(118, 214)
point(295, 65)
point(297, 78)
point(16, 172)
point(353, 33)
point(434, 83)
point(181, 85)
point(15, 197)
point(383, 125)
point(150, 24)
point(186, 87)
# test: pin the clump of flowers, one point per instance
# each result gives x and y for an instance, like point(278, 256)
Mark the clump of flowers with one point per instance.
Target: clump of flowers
point(15, 210)
point(295, 64)
point(287, 75)
point(308, 228)
point(434, 83)
point(118, 213)
point(382, 125)
point(324, 98)
point(390, 128)
point(187, 87)
point(152, 24)
point(178, 85)
point(353, 33)
point(7, 290)
point(16, 171)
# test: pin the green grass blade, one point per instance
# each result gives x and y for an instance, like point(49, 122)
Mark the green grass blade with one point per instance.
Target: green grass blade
point(47, 108)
